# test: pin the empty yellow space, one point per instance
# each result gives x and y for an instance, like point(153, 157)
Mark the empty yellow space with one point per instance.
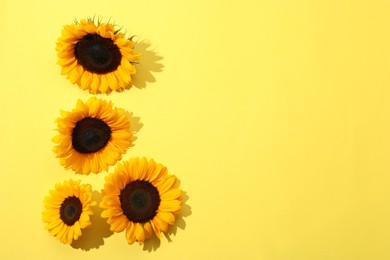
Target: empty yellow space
point(274, 115)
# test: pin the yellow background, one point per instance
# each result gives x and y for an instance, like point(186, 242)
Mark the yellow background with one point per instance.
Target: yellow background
point(275, 116)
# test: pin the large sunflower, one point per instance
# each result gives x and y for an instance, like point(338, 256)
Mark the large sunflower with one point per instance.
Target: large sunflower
point(140, 197)
point(92, 136)
point(67, 210)
point(96, 56)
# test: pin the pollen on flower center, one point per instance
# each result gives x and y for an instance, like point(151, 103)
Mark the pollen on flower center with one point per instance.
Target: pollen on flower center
point(90, 135)
point(70, 210)
point(139, 201)
point(97, 54)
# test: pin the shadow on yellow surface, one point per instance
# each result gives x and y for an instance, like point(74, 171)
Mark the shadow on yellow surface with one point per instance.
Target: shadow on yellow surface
point(93, 237)
point(149, 63)
point(135, 125)
point(154, 243)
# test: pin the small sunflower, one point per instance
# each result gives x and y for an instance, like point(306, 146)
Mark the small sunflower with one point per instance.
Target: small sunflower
point(96, 56)
point(92, 136)
point(67, 210)
point(140, 197)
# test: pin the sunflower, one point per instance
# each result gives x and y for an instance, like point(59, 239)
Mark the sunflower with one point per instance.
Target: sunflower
point(96, 56)
point(92, 136)
point(67, 210)
point(140, 197)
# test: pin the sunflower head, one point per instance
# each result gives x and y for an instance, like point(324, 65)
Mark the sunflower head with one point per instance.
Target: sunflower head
point(67, 210)
point(96, 57)
point(92, 136)
point(141, 198)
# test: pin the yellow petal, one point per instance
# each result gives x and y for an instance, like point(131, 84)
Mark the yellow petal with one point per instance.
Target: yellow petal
point(168, 217)
point(155, 228)
point(142, 169)
point(139, 233)
point(90, 28)
point(57, 229)
point(163, 187)
point(68, 68)
point(171, 194)
point(112, 81)
point(170, 205)
point(95, 83)
point(121, 82)
point(86, 80)
point(120, 224)
point(105, 213)
point(103, 84)
point(77, 230)
point(53, 224)
point(148, 230)
point(70, 235)
point(130, 233)
point(75, 74)
point(66, 61)
point(94, 108)
point(123, 74)
point(62, 234)
point(160, 224)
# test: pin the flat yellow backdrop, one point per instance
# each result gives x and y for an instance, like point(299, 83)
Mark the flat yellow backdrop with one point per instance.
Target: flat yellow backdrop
point(274, 115)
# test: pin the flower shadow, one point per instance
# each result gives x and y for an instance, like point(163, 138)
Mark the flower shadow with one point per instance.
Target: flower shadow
point(148, 64)
point(93, 236)
point(154, 243)
point(135, 125)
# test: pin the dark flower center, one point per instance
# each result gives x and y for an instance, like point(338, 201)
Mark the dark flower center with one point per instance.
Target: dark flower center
point(70, 210)
point(90, 135)
point(97, 54)
point(139, 201)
